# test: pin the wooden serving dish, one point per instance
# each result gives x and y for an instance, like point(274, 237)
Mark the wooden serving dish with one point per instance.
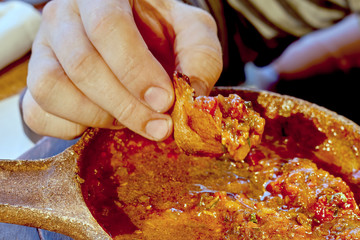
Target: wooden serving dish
point(46, 193)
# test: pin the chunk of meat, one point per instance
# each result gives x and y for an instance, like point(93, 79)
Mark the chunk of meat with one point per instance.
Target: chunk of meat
point(214, 126)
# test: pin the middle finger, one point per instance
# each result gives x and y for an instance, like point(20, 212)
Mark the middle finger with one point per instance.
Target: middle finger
point(91, 74)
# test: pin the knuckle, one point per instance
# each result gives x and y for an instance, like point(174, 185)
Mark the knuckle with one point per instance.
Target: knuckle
point(40, 124)
point(100, 118)
point(78, 67)
point(49, 10)
point(127, 112)
point(41, 86)
point(46, 124)
point(215, 61)
point(33, 119)
point(98, 25)
point(213, 66)
point(39, 129)
point(206, 19)
point(206, 62)
point(71, 131)
point(28, 119)
point(106, 20)
point(204, 55)
point(131, 71)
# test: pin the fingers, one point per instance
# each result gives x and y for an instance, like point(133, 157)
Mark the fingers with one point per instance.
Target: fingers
point(56, 94)
point(112, 30)
point(44, 123)
point(129, 98)
point(122, 94)
point(197, 48)
point(192, 35)
point(90, 65)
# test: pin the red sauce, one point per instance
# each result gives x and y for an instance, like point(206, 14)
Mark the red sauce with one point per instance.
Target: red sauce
point(207, 104)
point(139, 189)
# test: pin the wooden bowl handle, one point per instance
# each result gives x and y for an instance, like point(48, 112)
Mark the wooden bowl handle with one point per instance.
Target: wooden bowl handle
point(46, 194)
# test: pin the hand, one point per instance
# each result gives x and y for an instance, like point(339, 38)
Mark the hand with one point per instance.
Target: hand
point(322, 51)
point(107, 64)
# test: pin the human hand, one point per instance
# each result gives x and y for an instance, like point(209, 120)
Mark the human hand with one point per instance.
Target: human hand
point(323, 51)
point(107, 64)
point(256, 77)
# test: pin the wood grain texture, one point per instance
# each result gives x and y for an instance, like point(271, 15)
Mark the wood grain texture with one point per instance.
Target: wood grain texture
point(45, 148)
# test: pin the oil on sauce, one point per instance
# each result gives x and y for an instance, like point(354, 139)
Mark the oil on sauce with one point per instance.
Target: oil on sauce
point(138, 189)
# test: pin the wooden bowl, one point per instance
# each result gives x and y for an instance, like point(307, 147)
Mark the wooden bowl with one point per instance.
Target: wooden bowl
point(46, 193)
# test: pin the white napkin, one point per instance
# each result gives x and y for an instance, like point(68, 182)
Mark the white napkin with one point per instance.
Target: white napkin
point(19, 22)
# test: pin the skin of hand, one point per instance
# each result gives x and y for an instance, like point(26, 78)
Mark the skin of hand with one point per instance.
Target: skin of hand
point(322, 51)
point(107, 64)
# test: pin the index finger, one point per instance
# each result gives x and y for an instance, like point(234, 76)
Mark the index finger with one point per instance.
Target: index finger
point(91, 74)
point(112, 30)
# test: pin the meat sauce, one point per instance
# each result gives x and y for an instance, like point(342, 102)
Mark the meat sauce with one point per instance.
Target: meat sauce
point(139, 189)
point(214, 125)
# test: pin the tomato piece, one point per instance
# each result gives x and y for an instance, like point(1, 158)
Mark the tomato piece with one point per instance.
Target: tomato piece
point(322, 210)
point(254, 157)
point(206, 104)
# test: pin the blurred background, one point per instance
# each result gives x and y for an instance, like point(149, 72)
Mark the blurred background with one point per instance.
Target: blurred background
point(18, 25)
point(303, 48)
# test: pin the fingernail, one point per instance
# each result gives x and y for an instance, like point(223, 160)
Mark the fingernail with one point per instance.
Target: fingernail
point(157, 98)
point(158, 128)
point(199, 87)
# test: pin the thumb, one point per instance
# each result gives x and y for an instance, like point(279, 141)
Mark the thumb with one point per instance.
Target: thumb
point(197, 48)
